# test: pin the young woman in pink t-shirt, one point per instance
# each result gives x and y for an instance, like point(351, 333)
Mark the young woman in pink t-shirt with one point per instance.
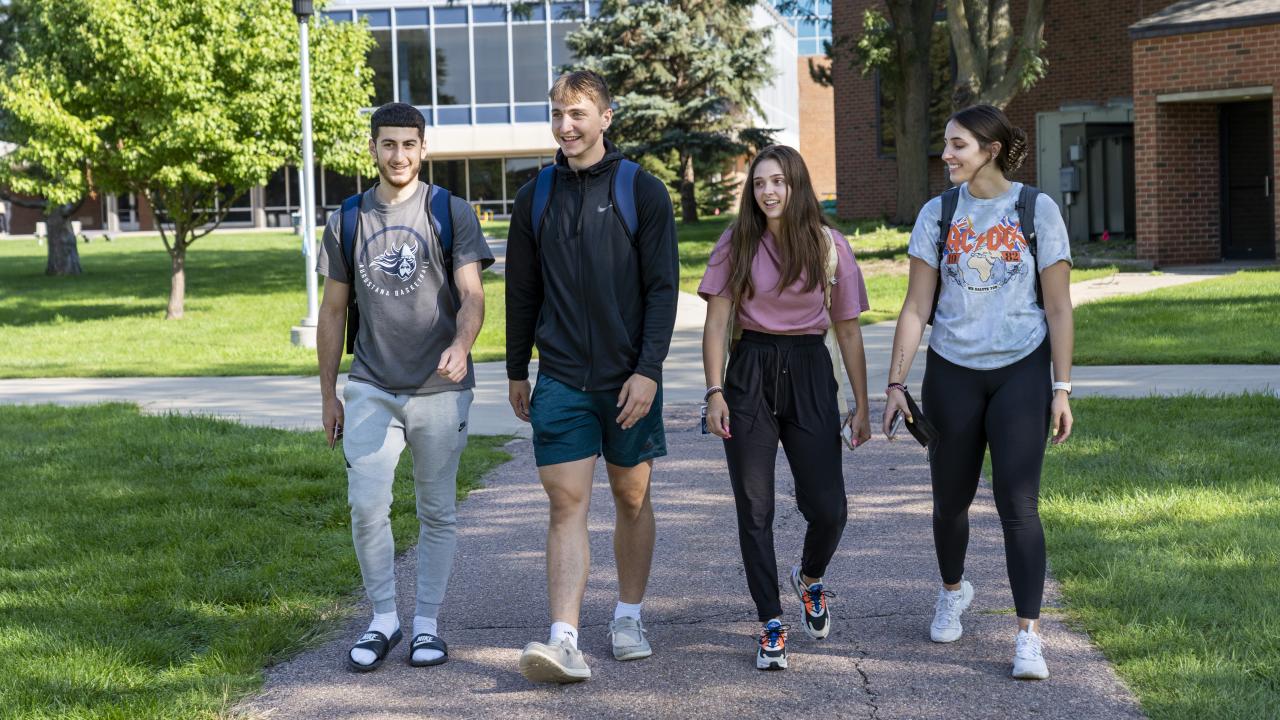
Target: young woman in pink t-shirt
point(768, 272)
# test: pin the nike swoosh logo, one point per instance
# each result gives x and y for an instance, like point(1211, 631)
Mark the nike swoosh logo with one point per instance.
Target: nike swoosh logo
point(602, 209)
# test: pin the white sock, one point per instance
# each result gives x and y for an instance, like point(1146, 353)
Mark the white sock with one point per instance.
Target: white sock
point(563, 631)
point(386, 623)
point(425, 625)
point(627, 610)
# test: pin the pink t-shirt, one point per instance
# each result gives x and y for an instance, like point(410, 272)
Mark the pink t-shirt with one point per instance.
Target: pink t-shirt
point(793, 311)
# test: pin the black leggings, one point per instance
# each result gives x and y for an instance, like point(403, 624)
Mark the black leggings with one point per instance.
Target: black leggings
point(1008, 410)
point(783, 387)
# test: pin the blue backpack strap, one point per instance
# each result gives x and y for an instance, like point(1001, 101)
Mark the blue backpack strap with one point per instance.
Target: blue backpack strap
point(950, 201)
point(348, 223)
point(624, 195)
point(1026, 208)
point(442, 221)
point(542, 198)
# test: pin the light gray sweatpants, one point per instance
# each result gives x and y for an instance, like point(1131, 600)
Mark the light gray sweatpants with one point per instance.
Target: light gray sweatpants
point(376, 428)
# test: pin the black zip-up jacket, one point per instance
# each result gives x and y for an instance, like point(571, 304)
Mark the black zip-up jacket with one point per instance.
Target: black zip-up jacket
point(599, 305)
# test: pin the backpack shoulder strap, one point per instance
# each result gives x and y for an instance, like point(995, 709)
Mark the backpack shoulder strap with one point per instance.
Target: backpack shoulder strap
point(950, 201)
point(624, 195)
point(348, 221)
point(1026, 207)
point(833, 344)
point(541, 198)
point(441, 212)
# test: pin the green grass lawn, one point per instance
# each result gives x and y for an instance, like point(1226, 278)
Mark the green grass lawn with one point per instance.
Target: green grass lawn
point(244, 292)
point(150, 567)
point(1162, 519)
point(1233, 319)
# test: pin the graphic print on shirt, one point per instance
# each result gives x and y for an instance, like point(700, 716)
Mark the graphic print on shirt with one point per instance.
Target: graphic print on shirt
point(393, 261)
point(987, 261)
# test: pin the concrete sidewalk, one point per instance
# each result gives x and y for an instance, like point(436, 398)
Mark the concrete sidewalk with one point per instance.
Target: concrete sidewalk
point(878, 662)
point(294, 401)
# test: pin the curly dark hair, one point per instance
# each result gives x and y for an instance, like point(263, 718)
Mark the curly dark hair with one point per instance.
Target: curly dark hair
point(397, 115)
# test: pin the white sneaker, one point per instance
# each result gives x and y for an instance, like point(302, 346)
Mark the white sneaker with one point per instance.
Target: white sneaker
point(946, 625)
point(1028, 660)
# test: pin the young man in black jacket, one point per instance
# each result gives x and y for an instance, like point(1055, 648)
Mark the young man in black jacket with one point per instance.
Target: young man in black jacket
point(598, 298)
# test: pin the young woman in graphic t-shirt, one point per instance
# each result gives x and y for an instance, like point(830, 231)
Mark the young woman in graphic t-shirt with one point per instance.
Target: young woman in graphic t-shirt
point(987, 379)
point(768, 271)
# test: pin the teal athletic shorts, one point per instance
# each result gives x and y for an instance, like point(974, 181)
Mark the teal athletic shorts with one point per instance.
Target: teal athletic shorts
point(571, 424)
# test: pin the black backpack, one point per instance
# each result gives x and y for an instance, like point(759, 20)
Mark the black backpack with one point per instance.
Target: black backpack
point(622, 193)
point(349, 222)
point(1026, 207)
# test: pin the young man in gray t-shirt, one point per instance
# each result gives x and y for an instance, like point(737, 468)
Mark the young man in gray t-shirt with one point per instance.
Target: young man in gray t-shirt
point(411, 379)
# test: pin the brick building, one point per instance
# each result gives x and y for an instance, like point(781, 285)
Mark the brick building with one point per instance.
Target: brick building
point(1129, 83)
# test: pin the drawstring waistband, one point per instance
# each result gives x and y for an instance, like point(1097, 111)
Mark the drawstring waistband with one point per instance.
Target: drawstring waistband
point(782, 346)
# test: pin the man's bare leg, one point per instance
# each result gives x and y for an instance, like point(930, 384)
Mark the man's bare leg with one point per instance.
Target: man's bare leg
point(568, 486)
point(633, 530)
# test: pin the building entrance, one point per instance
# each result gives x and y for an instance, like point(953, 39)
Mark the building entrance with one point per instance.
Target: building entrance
point(1248, 185)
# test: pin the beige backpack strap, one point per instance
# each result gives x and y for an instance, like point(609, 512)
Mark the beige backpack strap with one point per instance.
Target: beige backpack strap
point(833, 345)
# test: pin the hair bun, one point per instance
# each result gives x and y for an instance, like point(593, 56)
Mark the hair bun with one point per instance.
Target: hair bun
point(1017, 152)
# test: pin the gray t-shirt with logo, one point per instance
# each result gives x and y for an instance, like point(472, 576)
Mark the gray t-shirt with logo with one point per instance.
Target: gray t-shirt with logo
point(987, 315)
point(408, 308)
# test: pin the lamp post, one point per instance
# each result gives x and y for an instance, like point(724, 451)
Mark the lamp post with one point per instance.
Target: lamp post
point(304, 334)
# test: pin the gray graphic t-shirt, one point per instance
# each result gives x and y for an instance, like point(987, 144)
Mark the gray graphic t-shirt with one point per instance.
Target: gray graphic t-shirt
point(987, 315)
point(408, 309)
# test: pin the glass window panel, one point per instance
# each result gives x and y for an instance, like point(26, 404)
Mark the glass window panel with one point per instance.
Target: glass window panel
point(489, 13)
point(807, 28)
point(561, 56)
point(450, 174)
point(535, 12)
point(809, 46)
point(492, 81)
point(532, 113)
point(276, 193)
point(492, 115)
point(411, 17)
point(453, 66)
point(519, 172)
point(338, 15)
point(454, 115)
point(451, 16)
point(566, 11)
point(486, 181)
point(414, 48)
point(377, 18)
point(595, 9)
point(529, 45)
point(337, 187)
point(379, 59)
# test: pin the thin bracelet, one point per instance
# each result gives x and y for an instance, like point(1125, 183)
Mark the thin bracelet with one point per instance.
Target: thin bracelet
point(896, 386)
point(712, 391)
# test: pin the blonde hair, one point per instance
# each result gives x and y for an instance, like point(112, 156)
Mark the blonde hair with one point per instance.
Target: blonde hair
point(573, 86)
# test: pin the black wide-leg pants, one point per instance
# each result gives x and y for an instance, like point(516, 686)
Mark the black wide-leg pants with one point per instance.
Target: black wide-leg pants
point(782, 387)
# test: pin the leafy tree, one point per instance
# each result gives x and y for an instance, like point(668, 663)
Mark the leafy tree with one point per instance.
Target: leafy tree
point(684, 74)
point(188, 103)
point(992, 63)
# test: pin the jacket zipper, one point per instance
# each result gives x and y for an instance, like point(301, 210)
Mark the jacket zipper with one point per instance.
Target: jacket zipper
point(582, 277)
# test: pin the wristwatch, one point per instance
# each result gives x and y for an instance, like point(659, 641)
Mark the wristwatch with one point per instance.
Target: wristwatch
point(1062, 386)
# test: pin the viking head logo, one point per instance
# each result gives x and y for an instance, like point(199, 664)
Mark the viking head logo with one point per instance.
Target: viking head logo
point(400, 262)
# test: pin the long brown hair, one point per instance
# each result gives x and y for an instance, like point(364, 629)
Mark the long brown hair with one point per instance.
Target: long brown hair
point(802, 238)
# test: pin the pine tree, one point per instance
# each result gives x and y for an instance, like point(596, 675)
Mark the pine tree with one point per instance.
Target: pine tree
point(684, 74)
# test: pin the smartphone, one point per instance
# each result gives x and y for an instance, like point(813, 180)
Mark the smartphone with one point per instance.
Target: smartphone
point(846, 432)
point(337, 435)
point(896, 425)
point(703, 422)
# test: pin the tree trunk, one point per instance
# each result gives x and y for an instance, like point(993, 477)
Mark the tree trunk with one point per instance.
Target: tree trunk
point(911, 112)
point(688, 197)
point(64, 256)
point(177, 279)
